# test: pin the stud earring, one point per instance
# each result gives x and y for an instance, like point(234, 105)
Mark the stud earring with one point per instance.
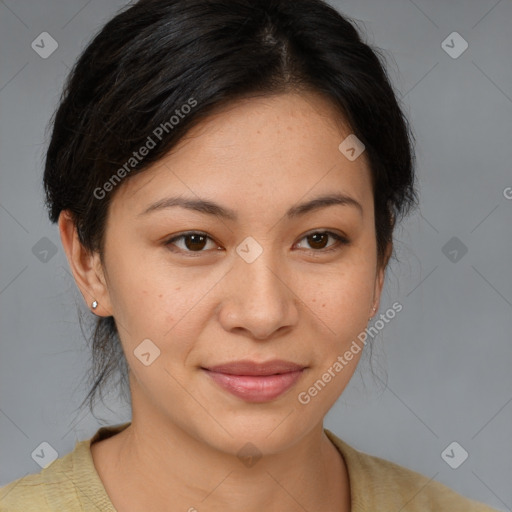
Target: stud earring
point(94, 304)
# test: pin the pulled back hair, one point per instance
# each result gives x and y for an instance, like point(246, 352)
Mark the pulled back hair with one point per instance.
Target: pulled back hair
point(156, 56)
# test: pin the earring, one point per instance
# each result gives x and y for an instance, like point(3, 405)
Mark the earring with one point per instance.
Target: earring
point(94, 304)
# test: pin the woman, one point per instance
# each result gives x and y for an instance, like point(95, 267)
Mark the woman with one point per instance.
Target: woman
point(226, 177)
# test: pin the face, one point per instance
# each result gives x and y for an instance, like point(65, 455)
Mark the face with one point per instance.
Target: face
point(257, 282)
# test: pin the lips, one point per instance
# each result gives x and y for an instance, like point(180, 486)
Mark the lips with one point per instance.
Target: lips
point(256, 382)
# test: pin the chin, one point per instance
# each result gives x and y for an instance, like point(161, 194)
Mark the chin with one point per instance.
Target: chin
point(264, 431)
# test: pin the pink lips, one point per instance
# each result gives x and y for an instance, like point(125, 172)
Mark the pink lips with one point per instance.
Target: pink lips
point(256, 382)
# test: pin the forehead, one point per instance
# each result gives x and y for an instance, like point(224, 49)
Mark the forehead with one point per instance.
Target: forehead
point(256, 152)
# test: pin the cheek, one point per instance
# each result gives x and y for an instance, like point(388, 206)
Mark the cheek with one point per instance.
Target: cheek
point(339, 314)
point(340, 300)
point(163, 305)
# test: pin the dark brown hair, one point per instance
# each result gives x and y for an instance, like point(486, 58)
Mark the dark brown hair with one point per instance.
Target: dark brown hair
point(132, 81)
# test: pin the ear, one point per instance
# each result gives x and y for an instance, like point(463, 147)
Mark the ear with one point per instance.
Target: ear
point(379, 279)
point(85, 266)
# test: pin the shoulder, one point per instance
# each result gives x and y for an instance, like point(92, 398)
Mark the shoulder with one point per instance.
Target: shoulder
point(31, 493)
point(13, 496)
point(69, 483)
point(379, 484)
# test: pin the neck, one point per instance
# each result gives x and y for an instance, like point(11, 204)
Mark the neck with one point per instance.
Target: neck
point(180, 469)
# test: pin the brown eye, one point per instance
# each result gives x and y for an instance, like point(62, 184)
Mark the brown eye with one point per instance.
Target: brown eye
point(195, 242)
point(192, 242)
point(318, 241)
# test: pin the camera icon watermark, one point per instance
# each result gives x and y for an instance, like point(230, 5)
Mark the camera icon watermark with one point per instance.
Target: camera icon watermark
point(454, 455)
point(454, 45)
point(351, 147)
point(454, 249)
point(44, 454)
point(44, 45)
point(146, 352)
point(249, 249)
point(249, 455)
point(44, 250)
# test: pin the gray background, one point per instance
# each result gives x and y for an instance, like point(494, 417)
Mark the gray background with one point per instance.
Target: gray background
point(441, 368)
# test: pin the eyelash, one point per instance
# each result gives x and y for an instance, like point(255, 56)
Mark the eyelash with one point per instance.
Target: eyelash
point(340, 239)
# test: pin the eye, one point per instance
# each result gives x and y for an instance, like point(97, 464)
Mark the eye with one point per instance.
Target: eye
point(317, 240)
point(193, 241)
point(197, 242)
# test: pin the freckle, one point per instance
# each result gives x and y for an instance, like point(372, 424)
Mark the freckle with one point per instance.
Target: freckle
point(160, 295)
point(179, 288)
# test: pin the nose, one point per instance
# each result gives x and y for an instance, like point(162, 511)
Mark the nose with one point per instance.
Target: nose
point(258, 299)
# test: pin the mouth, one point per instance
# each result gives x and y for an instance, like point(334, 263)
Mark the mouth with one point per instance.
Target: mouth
point(256, 382)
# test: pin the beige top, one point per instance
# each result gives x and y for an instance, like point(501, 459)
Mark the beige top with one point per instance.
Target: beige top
point(72, 484)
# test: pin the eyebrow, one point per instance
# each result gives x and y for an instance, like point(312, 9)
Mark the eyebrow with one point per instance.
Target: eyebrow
point(212, 208)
